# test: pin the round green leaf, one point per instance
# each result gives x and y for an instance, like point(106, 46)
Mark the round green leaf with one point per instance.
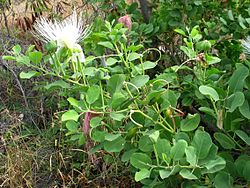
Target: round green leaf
point(235, 100)
point(93, 94)
point(145, 144)
point(223, 180)
point(202, 142)
point(140, 160)
point(185, 173)
point(178, 150)
point(70, 115)
point(115, 145)
point(207, 90)
point(190, 123)
point(72, 126)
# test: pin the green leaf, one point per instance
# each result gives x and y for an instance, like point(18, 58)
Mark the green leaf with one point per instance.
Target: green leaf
point(202, 143)
point(207, 90)
point(241, 22)
point(189, 52)
point(208, 111)
point(190, 123)
point(111, 61)
point(70, 115)
point(115, 145)
point(117, 116)
point(127, 154)
point(8, 58)
point(154, 135)
point(140, 80)
point(212, 59)
point(178, 150)
point(240, 163)
point(111, 137)
point(185, 173)
point(28, 75)
point(164, 173)
point(117, 100)
point(107, 44)
point(24, 60)
point(140, 160)
point(93, 94)
point(236, 82)
point(133, 56)
point(115, 83)
point(246, 171)
point(235, 100)
point(59, 83)
point(72, 126)
point(162, 146)
point(16, 49)
point(245, 109)
point(230, 15)
point(215, 165)
point(190, 152)
point(95, 122)
point(180, 31)
point(224, 140)
point(145, 144)
point(142, 174)
point(73, 101)
point(35, 57)
point(243, 136)
point(223, 180)
point(203, 45)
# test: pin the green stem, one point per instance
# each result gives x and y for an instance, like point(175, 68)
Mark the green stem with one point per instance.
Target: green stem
point(156, 155)
point(156, 122)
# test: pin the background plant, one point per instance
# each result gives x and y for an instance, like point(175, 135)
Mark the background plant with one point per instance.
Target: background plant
point(149, 111)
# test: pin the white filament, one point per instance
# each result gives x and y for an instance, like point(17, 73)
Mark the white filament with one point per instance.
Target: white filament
point(67, 33)
point(246, 46)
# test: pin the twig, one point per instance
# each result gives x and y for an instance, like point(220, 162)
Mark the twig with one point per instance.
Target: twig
point(5, 65)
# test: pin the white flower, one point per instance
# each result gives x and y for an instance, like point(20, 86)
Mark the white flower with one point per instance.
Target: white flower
point(67, 33)
point(246, 46)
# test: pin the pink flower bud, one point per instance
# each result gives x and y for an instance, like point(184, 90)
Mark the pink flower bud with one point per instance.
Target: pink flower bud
point(126, 21)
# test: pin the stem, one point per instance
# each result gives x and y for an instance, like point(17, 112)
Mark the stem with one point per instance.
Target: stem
point(130, 94)
point(156, 155)
point(103, 103)
point(148, 117)
point(184, 63)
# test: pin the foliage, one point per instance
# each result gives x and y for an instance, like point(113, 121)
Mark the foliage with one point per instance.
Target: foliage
point(184, 123)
